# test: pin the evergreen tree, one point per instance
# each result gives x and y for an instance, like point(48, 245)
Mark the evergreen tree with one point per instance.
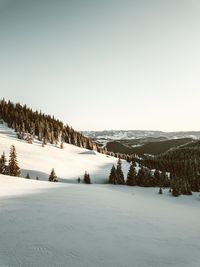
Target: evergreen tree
point(185, 187)
point(131, 177)
point(53, 177)
point(157, 177)
point(43, 142)
point(119, 172)
point(113, 176)
point(62, 145)
point(148, 180)
point(28, 176)
point(164, 180)
point(13, 168)
point(3, 167)
point(86, 178)
point(141, 176)
point(176, 186)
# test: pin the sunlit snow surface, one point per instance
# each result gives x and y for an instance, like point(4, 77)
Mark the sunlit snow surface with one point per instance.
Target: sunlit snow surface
point(48, 224)
point(76, 225)
point(69, 163)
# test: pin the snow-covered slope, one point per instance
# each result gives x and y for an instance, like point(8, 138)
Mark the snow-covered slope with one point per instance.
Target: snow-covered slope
point(57, 224)
point(76, 225)
point(69, 163)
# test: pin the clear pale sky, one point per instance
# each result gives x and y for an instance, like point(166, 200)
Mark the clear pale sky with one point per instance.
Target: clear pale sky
point(104, 64)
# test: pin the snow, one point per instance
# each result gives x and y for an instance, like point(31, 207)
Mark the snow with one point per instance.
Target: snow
point(138, 134)
point(69, 163)
point(138, 145)
point(77, 225)
point(60, 224)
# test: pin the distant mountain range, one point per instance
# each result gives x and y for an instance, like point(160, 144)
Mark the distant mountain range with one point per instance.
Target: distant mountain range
point(111, 135)
point(141, 142)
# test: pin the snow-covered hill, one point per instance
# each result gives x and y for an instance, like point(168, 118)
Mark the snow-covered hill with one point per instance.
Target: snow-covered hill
point(76, 225)
point(69, 163)
point(57, 224)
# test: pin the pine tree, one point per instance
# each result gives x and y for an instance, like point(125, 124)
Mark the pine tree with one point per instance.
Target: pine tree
point(53, 177)
point(164, 180)
point(113, 176)
point(157, 177)
point(119, 172)
point(43, 142)
point(28, 176)
point(3, 167)
point(13, 168)
point(141, 176)
point(131, 177)
point(86, 178)
point(61, 145)
point(176, 186)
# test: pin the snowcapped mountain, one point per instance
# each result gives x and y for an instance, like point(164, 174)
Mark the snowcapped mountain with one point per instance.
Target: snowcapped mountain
point(105, 136)
point(69, 163)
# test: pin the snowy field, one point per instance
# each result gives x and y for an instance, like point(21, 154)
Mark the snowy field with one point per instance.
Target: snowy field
point(69, 163)
point(48, 224)
point(45, 224)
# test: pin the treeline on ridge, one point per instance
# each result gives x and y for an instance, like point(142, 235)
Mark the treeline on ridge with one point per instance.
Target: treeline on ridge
point(29, 124)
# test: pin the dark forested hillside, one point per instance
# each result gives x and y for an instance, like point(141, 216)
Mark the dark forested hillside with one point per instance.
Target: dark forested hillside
point(30, 124)
point(142, 146)
point(183, 163)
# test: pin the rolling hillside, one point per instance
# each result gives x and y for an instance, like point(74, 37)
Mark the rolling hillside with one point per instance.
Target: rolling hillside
point(69, 224)
point(69, 163)
point(145, 146)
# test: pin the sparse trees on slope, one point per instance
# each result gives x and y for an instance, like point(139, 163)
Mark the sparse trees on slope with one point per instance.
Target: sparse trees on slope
point(45, 128)
point(13, 168)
